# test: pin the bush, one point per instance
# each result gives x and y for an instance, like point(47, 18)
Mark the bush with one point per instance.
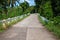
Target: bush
point(4, 24)
point(56, 21)
point(53, 26)
point(52, 13)
point(46, 10)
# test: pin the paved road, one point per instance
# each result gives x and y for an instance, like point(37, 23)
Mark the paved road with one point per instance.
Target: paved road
point(28, 29)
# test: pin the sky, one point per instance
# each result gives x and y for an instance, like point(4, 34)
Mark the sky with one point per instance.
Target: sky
point(31, 2)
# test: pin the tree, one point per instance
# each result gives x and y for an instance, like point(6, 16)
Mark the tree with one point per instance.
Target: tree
point(56, 7)
point(6, 3)
point(24, 5)
point(38, 2)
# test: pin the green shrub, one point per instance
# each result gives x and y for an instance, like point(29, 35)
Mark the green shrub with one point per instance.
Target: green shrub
point(8, 22)
point(46, 10)
point(52, 25)
point(55, 29)
point(57, 21)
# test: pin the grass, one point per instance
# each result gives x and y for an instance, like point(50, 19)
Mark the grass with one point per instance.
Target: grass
point(7, 25)
point(51, 27)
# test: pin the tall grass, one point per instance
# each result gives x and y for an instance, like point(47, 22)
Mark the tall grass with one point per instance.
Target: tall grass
point(51, 26)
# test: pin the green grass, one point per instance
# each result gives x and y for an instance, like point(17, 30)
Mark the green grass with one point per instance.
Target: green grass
point(51, 27)
point(2, 29)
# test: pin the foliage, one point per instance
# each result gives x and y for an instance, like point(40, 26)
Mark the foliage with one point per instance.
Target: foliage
point(10, 21)
point(38, 2)
point(50, 9)
point(46, 10)
point(51, 26)
point(24, 5)
point(12, 11)
point(5, 4)
point(57, 21)
point(56, 7)
point(9, 12)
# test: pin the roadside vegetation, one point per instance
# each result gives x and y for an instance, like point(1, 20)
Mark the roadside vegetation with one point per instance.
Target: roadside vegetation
point(11, 13)
point(49, 14)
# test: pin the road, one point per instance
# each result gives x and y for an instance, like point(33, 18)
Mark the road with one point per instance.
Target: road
point(28, 29)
